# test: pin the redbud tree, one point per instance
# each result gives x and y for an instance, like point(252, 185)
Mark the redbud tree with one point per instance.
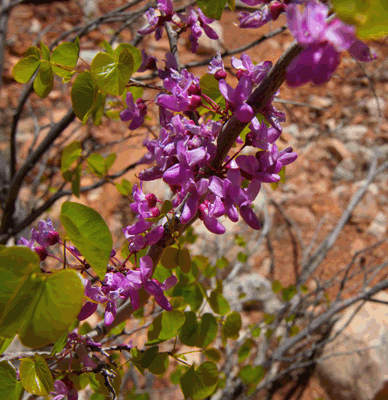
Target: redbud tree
point(205, 123)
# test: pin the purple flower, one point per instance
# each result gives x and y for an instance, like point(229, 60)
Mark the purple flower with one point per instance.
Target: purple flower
point(261, 135)
point(152, 286)
point(235, 98)
point(135, 112)
point(60, 390)
point(195, 20)
point(266, 165)
point(156, 21)
point(217, 68)
point(184, 88)
point(256, 72)
point(96, 295)
point(45, 236)
point(148, 62)
point(323, 43)
point(209, 213)
point(256, 19)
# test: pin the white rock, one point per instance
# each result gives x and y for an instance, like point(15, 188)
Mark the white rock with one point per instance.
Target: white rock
point(378, 227)
point(353, 132)
point(362, 374)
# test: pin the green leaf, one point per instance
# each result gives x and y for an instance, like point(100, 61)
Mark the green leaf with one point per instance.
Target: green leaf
point(218, 303)
point(166, 207)
point(44, 51)
point(96, 163)
point(256, 331)
point(369, 16)
point(294, 330)
point(251, 375)
point(136, 357)
point(277, 286)
point(107, 47)
point(268, 319)
point(135, 53)
point(76, 181)
point(36, 376)
point(210, 87)
point(39, 307)
point(170, 258)
point(184, 260)
point(232, 4)
point(165, 326)
point(288, 293)
point(125, 187)
point(109, 161)
point(149, 356)
point(4, 343)
point(199, 383)
point(207, 331)
point(177, 373)
point(232, 325)
point(193, 296)
point(44, 81)
point(85, 328)
point(240, 241)
point(245, 349)
point(11, 388)
point(70, 155)
point(32, 51)
point(55, 302)
point(212, 8)
point(304, 289)
point(83, 94)
point(98, 108)
point(160, 364)
point(89, 233)
point(111, 75)
point(242, 257)
point(64, 59)
point(222, 263)
point(212, 354)
point(24, 69)
point(60, 343)
point(189, 329)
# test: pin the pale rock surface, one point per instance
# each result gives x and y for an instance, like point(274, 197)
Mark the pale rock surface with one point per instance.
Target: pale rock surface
point(257, 292)
point(362, 374)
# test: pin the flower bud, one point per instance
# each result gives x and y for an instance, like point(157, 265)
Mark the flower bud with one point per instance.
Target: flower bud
point(239, 74)
point(195, 102)
point(276, 8)
point(41, 252)
point(194, 89)
point(151, 200)
point(52, 238)
point(220, 75)
point(154, 212)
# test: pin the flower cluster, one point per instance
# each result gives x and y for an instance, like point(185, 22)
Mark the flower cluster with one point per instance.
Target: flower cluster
point(184, 148)
point(45, 236)
point(117, 286)
point(193, 20)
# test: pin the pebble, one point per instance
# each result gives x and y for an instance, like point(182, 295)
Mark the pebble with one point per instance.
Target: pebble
point(372, 106)
point(337, 149)
point(321, 102)
point(345, 170)
point(378, 227)
point(353, 132)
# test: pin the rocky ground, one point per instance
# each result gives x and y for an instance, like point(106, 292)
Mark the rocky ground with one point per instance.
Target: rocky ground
point(336, 129)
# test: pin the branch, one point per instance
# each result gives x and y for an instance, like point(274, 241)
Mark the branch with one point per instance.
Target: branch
point(36, 213)
point(315, 260)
